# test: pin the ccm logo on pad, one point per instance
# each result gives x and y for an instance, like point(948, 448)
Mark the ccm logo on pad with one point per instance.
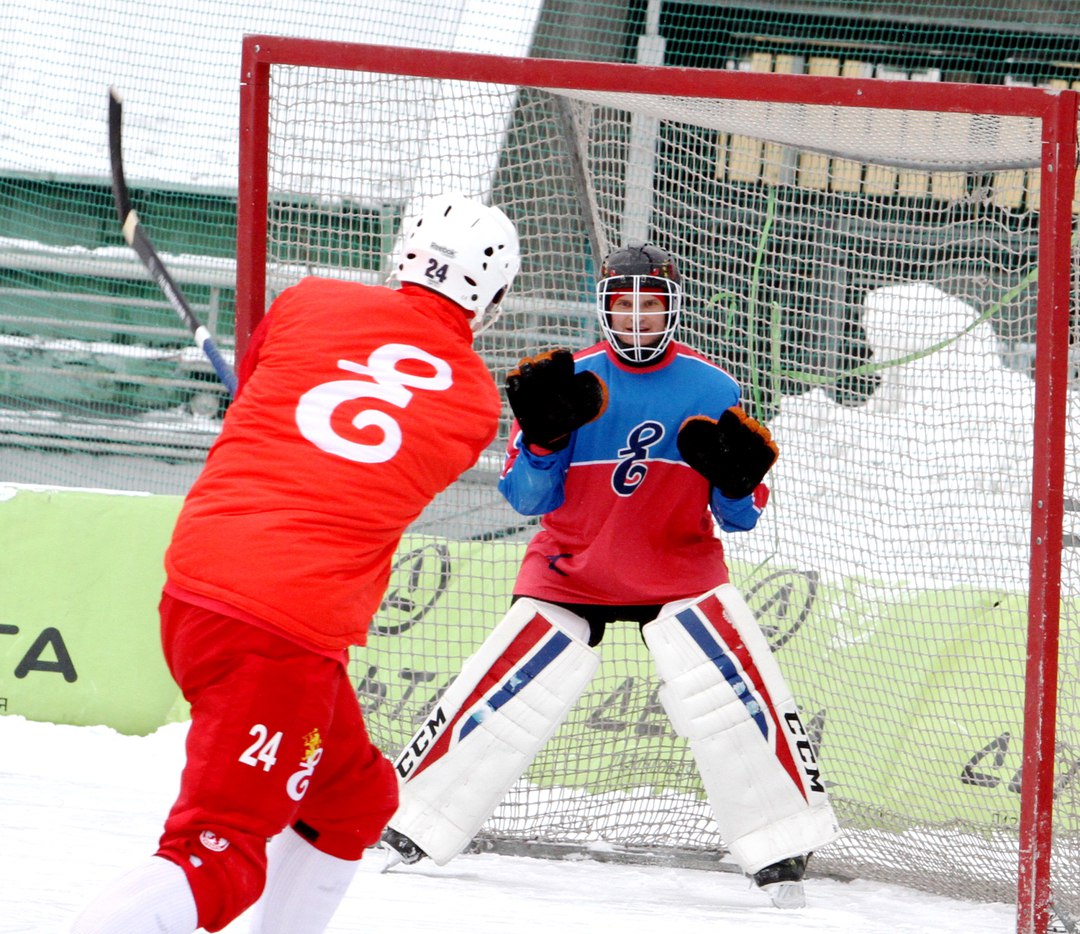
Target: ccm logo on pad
point(421, 742)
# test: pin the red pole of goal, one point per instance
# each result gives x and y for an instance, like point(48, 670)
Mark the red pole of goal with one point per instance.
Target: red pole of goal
point(1059, 140)
point(251, 195)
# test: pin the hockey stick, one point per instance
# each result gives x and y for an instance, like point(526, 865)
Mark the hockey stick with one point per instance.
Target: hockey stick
point(138, 240)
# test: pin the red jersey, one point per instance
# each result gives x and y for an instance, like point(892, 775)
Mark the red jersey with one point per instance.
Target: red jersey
point(362, 404)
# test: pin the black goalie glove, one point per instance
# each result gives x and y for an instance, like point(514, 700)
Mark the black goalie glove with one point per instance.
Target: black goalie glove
point(550, 400)
point(733, 452)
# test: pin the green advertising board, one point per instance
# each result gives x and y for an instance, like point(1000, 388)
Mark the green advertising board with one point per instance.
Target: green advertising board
point(80, 577)
point(914, 699)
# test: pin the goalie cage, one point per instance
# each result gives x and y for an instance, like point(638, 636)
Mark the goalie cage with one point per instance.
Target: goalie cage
point(885, 268)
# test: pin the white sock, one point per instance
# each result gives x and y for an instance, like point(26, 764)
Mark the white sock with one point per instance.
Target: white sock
point(304, 887)
point(153, 898)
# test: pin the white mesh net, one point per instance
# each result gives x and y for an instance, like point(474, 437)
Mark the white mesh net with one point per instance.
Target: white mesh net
point(899, 138)
point(869, 278)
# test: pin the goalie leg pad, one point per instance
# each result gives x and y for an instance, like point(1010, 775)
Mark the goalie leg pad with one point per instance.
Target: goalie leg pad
point(493, 719)
point(724, 693)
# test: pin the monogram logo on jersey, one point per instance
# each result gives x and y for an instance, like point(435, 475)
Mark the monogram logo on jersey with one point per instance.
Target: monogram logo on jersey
point(213, 842)
point(298, 782)
point(319, 419)
point(630, 471)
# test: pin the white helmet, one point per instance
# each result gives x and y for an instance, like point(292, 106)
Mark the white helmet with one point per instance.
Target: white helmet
point(463, 249)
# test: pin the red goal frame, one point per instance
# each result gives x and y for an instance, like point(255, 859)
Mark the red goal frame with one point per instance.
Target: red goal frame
point(1057, 112)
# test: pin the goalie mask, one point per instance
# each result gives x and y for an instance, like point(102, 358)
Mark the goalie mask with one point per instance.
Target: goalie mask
point(463, 250)
point(639, 300)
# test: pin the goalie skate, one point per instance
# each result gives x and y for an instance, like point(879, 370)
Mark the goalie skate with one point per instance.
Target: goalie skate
point(398, 850)
point(782, 882)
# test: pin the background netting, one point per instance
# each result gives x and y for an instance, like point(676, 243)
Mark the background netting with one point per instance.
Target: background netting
point(870, 280)
point(92, 362)
point(881, 335)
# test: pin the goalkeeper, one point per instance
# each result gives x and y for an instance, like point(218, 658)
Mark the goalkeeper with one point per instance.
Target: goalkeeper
point(628, 450)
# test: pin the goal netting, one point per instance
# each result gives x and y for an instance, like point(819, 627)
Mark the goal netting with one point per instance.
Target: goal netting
point(870, 275)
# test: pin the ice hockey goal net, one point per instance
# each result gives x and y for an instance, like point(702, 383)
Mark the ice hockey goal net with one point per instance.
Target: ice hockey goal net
point(885, 267)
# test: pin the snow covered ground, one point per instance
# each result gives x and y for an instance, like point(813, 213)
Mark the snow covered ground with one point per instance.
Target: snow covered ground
point(80, 805)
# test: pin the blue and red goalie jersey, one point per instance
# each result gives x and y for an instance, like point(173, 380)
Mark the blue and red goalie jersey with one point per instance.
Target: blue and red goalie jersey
point(626, 520)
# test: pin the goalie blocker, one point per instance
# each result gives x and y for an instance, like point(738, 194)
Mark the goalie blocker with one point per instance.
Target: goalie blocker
point(504, 705)
point(724, 692)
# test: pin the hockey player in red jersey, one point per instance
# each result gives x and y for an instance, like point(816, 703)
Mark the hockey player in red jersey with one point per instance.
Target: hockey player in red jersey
point(637, 426)
point(356, 406)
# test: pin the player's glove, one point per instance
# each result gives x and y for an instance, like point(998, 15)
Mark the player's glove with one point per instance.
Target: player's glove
point(550, 400)
point(733, 452)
